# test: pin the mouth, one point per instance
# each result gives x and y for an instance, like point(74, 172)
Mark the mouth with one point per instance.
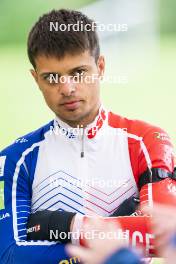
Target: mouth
point(72, 105)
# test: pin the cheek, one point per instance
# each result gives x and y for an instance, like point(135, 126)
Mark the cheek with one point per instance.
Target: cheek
point(50, 97)
point(91, 94)
point(94, 91)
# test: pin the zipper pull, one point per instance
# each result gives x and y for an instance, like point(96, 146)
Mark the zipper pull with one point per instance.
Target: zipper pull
point(82, 145)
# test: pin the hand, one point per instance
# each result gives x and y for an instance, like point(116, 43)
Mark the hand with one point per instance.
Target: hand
point(163, 224)
point(97, 249)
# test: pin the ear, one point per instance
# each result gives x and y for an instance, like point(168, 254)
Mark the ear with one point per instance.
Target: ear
point(34, 74)
point(101, 66)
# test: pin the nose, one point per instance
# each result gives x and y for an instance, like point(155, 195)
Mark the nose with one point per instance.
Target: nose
point(67, 86)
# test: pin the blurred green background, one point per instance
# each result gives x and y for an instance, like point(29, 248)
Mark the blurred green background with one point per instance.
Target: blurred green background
point(148, 95)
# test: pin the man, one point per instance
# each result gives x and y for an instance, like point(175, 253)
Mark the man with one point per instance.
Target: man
point(55, 175)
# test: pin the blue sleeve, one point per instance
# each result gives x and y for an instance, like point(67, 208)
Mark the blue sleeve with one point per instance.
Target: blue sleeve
point(15, 205)
point(123, 256)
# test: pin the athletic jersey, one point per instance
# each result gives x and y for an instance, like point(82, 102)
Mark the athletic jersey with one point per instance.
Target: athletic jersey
point(90, 170)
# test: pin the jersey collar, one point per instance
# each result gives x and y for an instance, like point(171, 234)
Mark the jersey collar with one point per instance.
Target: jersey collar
point(91, 129)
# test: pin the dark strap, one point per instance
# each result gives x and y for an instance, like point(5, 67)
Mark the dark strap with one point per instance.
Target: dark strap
point(156, 176)
point(128, 207)
point(49, 225)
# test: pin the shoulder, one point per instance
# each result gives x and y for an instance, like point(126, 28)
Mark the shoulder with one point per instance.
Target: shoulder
point(26, 142)
point(138, 128)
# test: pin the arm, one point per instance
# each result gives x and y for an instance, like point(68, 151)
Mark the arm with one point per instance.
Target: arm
point(15, 201)
point(156, 180)
point(50, 225)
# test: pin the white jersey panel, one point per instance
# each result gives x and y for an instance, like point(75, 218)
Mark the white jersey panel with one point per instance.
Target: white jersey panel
point(96, 183)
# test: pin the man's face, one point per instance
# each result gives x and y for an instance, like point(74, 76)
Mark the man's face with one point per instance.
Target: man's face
point(69, 92)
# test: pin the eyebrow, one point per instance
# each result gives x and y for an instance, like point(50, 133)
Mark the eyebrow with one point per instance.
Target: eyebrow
point(43, 74)
point(59, 74)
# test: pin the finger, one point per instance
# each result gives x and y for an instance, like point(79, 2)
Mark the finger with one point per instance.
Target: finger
point(147, 210)
point(162, 241)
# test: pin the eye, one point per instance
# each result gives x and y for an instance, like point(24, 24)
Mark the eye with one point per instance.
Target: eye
point(46, 78)
point(52, 78)
point(80, 71)
point(78, 74)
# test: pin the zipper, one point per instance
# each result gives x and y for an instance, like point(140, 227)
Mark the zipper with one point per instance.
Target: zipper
point(82, 144)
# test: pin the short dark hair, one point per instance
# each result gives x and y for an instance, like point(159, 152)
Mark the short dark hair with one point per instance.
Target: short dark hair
point(44, 41)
